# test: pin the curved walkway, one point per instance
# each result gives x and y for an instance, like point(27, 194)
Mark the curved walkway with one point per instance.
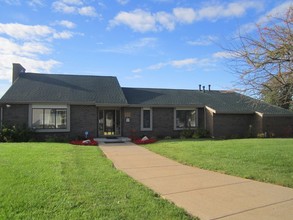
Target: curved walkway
point(202, 193)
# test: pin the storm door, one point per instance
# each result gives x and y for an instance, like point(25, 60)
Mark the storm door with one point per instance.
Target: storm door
point(109, 122)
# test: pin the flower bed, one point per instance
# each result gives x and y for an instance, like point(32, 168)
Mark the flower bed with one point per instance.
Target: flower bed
point(90, 142)
point(148, 141)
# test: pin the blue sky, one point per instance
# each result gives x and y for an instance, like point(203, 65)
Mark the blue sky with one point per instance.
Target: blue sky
point(155, 43)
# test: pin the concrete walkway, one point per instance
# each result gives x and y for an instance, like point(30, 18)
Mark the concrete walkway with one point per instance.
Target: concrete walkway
point(205, 194)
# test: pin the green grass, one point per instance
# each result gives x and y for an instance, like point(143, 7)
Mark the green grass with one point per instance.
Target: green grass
point(266, 160)
point(61, 181)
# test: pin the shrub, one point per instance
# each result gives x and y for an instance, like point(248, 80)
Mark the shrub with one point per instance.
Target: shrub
point(261, 135)
point(186, 133)
point(16, 134)
point(201, 133)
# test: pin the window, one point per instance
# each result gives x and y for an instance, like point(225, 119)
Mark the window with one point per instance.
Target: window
point(49, 118)
point(146, 119)
point(185, 118)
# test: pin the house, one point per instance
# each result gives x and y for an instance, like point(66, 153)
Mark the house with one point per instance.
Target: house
point(70, 105)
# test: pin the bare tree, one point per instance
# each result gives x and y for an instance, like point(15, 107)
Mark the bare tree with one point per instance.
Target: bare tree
point(264, 61)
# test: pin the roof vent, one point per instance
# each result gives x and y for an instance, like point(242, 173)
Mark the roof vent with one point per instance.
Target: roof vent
point(209, 87)
point(204, 89)
point(199, 87)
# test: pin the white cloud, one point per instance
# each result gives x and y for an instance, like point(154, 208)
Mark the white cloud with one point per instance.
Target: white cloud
point(233, 9)
point(63, 35)
point(136, 76)
point(133, 47)
point(88, 11)
point(26, 53)
point(65, 23)
point(36, 3)
point(185, 15)
point(12, 2)
point(157, 66)
point(184, 62)
point(32, 32)
point(137, 70)
point(224, 54)
point(143, 21)
point(278, 11)
point(74, 7)
point(73, 2)
point(165, 20)
point(25, 32)
point(138, 20)
point(28, 45)
point(63, 8)
point(4, 87)
point(34, 65)
point(33, 48)
point(122, 2)
point(188, 63)
point(203, 41)
point(28, 49)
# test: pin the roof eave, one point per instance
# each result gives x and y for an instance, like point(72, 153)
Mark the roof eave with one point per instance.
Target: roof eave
point(166, 106)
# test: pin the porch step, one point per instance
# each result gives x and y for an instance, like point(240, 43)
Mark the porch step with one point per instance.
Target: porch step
point(113, 140)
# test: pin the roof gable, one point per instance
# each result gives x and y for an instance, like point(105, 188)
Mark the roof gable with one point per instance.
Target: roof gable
point(33, 87)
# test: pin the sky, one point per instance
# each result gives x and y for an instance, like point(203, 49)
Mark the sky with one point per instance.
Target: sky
point(152, 43)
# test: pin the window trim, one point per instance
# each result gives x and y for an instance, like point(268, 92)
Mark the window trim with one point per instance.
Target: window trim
point(142, 117)
point(185, 109)
point(50, 106)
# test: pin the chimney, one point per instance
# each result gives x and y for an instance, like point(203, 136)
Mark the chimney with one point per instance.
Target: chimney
point(17, 70)
point(199, 87)
point(209, 87)
point(204, 89)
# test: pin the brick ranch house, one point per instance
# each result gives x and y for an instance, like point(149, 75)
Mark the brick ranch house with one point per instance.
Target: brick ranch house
point(69, 105)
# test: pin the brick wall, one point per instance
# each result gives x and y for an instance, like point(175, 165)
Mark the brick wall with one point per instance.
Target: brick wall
point(201, 119)
point(16, 115)
point(232, 125)
point(278, 126)
point(83, 118)
point(163, 122)
point(238, 125)
point(133, 127)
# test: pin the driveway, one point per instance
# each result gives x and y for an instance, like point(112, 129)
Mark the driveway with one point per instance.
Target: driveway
point(202, 193)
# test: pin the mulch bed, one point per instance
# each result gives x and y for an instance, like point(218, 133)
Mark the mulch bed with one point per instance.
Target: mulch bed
point(90, 142)
point(140, 141)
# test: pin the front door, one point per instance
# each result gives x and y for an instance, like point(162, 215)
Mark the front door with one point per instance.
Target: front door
point(109, 122)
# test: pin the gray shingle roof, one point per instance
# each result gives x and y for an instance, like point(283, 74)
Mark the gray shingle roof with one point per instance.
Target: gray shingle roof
point(79, 89)
point(105, 90)
point(145, 96)
point(220, 101)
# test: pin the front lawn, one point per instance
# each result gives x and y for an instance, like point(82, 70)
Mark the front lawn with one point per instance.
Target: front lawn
point(267, 160)
point(62, 181)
